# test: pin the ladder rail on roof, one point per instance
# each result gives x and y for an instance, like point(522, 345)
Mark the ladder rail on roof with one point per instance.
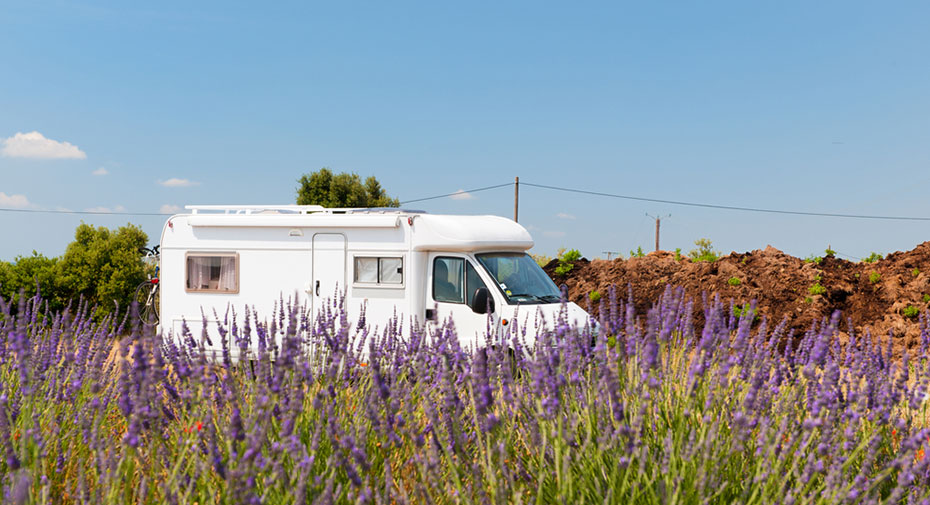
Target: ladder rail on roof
point(251, 209)
point(299, 209)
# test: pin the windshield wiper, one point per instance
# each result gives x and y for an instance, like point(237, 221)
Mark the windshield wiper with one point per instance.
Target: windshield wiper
point(527, 295)
point(551, 298)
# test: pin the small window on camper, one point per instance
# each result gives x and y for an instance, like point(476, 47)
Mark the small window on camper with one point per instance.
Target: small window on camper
point(373, 270)
point(213, 272)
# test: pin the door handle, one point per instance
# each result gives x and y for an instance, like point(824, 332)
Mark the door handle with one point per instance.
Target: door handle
point(317, 288)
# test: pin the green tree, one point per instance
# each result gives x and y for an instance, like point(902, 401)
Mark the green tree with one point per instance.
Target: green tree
point(26, 274)
point(103, 266)
point(704, 252)
point(341, 191)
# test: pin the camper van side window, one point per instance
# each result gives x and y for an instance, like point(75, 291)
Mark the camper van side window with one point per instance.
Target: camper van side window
point(373, 270)
point(217, 272)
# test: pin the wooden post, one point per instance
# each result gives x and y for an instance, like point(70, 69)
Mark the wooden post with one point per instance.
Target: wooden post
point(658, 220)
point(516, 197)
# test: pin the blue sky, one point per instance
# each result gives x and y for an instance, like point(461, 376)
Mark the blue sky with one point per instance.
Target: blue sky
point(812, 106)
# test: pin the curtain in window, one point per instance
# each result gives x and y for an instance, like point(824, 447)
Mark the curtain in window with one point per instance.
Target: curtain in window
point(227, 274)
point(198, 272)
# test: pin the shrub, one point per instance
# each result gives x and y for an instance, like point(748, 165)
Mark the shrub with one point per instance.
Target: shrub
point(872, 258)
point(813, 259)
point(595, 296)
point(926, 298)
point(874, 277)
point(817, 289)
point(915, 272)
point(541, 259)
point(677, 254)
point(911, 311)
point(567, 262)
point(638, 253)
point(808, 299)
point(734, 281)
point(704, 251)
point(830, 252)
point(738, 312)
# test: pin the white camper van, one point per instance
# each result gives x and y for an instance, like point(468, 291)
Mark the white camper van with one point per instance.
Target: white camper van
point(422, 267)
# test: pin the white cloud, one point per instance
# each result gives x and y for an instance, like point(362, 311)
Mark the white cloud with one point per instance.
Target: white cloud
point(101, 171)
point(14, 201)
point(106, 210)
point(169, 209)
point(554, 234)
point(35, 145)
point(462, 195)
point(563, 215)
point(174, 182)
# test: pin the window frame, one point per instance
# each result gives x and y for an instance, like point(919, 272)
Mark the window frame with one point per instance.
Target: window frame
point(211, 254)
point(379, 285)
point(432, 278)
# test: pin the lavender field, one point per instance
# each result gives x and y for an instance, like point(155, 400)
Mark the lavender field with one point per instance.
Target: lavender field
point(650, 410)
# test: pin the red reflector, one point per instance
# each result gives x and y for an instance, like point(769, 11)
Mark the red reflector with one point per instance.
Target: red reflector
point(154, 281)
point(504, 322)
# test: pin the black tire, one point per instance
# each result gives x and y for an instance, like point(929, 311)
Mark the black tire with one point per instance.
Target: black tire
point(147, 299)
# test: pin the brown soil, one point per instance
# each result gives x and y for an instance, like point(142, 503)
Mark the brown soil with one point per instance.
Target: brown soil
point(780, 284)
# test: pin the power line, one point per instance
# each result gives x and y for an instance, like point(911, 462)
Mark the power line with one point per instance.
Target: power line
point(728, 207)
point(93, 212)
point(459, 192)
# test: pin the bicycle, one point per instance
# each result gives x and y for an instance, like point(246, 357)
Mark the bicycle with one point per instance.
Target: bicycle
point(146, 295)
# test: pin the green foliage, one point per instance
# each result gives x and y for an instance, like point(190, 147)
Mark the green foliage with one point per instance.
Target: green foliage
point(874, 277)
point(677, 254)
point(813, 259)
point(818, 277)
point(704, 251)
point(926, 298)
point(830, 252)
point(101, 266)
point(872, 258)
point(915, 272)
point(911, 311)
point(342, 191)
point(734, 281)
point(25, 274)
point(567, 261)
point(738, 312)
point(808, 299)
point(638, 253)
point(816, 289)
point(541, 259)
point(595, 296)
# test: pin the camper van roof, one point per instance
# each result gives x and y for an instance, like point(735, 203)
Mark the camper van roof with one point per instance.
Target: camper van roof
point(294, 209)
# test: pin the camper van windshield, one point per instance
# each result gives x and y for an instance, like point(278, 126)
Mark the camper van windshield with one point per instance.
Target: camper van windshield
point(520, 279)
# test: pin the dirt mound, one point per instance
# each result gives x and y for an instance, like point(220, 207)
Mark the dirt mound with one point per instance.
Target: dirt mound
point(884, 296)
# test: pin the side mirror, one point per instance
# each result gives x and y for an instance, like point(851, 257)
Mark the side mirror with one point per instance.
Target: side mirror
point(482, 302)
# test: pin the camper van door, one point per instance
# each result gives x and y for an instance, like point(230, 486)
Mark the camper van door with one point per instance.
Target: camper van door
point(329, 268)
point(454, 279)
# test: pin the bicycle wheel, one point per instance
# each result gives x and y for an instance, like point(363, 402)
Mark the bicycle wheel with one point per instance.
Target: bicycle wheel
point(147, 299)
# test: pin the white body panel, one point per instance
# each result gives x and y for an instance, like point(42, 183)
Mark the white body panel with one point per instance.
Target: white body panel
point(310, 253)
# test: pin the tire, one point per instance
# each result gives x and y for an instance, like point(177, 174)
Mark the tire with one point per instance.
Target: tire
point(147, 299)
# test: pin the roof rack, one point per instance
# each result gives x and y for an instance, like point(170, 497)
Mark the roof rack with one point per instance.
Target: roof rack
point(294, 209)
point(254, 209)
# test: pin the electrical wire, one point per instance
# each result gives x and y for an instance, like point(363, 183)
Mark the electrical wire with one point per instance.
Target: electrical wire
point(92, 212)
point(459, 192)
point(728, 207)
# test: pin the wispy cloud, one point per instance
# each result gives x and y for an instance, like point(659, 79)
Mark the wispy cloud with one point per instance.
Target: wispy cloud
point(169, 209)
point(101, 171)
point(175, 182)
point(14, 201)
point(106, 210)
point(563, 215)
point(462, 195)
point(34, 145)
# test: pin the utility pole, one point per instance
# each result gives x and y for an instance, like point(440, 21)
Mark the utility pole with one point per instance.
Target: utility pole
point(658, 222)
point(608, 253)
point(516, 197)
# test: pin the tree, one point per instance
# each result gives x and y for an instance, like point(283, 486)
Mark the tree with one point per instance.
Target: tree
point(26, 274)
point(341, 191)
point(103, 266)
